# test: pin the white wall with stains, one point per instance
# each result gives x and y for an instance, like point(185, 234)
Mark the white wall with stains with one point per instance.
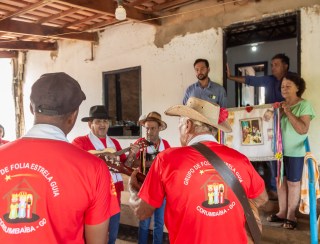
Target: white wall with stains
point(166, 71)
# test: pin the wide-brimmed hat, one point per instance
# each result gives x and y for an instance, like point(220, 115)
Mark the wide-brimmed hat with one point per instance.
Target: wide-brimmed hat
point(56, 94)
point(202, 111)
point(96, 112)
point(153, 116)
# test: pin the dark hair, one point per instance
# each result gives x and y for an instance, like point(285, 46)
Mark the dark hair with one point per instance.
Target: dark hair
point(284, 58)
point(298, 81)
point(2, 130)
point(199, 60)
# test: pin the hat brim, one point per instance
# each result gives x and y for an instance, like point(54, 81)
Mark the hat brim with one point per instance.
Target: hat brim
point(163, 124)
point(185, 111)
point(87, 119)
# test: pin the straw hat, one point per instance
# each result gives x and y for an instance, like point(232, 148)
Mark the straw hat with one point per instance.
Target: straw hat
point(152, 116)
point(202, 111)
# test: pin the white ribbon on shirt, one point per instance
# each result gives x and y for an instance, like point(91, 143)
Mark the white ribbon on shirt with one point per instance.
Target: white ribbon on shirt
point(98, 145)
point(46, 131)
point(151, 149)
point(199, 138)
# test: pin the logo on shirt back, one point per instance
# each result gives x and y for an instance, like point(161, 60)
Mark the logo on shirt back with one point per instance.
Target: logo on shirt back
point(215, 201)
point(21, 199)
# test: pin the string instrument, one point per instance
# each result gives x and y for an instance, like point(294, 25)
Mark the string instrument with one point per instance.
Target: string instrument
point(116, 166)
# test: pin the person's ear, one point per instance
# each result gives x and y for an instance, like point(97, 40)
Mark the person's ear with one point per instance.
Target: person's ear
point(90, 123)
point(189, 126)
point(31, 109)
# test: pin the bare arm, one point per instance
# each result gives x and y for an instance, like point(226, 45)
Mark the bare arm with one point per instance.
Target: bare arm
point(97, 234)
point(141, 209)
point(239, 79)
point(261, 199)
point(132, 159)
point(300, 124)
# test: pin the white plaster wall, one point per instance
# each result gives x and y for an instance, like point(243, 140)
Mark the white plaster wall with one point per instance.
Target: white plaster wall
point(310, 71)
point(165, 72)
point(7, 112)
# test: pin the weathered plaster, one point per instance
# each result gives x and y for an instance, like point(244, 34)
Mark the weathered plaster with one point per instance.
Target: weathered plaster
point(210, 14)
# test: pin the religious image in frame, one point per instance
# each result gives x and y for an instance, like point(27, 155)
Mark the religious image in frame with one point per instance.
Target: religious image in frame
point(251, 131)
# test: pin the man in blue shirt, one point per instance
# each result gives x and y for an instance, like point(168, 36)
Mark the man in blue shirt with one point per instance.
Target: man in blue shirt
point(204, 88)
point(272, 83)
point(279, 66)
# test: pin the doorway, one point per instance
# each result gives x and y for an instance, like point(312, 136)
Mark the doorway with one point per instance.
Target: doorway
point(257, 42)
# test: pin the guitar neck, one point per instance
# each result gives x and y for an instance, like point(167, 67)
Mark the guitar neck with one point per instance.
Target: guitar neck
point(118, 167)
point(118, 153)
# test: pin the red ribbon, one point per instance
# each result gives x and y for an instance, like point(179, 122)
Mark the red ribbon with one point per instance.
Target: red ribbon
point(249, 108)
point(223, 115)
point(276, 105)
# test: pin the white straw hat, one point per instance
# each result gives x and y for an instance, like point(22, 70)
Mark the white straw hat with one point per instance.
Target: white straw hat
point(202, 111)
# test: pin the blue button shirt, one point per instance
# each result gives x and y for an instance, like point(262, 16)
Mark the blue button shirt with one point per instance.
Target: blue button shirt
point(270, 83)
point(213, 93)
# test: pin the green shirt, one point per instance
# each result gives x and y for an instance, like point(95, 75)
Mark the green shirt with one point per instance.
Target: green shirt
point(293, 143)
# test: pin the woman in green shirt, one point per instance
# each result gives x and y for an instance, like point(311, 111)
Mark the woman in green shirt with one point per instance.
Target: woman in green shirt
point(296, 116)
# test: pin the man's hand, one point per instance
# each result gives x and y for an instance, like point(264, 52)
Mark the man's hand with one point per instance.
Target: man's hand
point(134, 148)
point(134, 185)
point(228, 71)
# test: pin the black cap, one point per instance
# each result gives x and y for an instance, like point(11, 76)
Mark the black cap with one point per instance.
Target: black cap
point(96, 112)
point(56, 94)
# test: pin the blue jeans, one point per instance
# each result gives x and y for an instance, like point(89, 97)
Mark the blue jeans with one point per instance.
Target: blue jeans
point(114, 228)
point(271, 182)
point(143, 232)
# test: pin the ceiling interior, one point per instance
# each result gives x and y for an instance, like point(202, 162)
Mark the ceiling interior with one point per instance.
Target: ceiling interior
point(38, 24)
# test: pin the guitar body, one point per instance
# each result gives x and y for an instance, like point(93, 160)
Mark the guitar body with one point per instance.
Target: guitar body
point(119, 167)
point(116, 166)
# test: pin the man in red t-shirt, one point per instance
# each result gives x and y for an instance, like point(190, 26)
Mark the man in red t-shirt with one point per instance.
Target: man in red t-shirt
point(201, 207)
point(153, 124)
point(97, 139)
point(51, 191)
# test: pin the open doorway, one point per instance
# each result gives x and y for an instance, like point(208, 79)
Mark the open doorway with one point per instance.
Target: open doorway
point(257, 42)
point(249, 95)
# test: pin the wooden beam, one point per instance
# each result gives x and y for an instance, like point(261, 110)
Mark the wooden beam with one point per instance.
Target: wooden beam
point(24, 28)
point(28, 8)
point(29, 45)
point(172, 5)
point(77, 22)
point(8, 54)
point(104, 7)
point(59, 15)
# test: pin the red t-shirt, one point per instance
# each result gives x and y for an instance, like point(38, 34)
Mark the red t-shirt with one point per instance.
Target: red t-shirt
point(200, 207)
point(84, 143)
point(49, 190)
point(2, 142)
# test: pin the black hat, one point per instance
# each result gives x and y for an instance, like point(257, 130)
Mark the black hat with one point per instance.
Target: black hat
point(96, 112)
point(56, 94)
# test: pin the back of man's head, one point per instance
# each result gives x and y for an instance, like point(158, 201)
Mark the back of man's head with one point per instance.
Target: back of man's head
point(284, 59)
point(199, 60)
point(55, 94)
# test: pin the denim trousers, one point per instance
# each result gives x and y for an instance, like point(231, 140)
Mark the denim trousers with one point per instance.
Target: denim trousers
point(144, 225)
point(114, 228)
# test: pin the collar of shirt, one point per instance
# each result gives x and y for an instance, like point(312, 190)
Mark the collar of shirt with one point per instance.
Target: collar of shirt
point(199, 138)
point(209, 83)
point(46, 131)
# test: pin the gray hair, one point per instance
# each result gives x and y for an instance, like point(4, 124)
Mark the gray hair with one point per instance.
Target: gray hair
point(200, 127)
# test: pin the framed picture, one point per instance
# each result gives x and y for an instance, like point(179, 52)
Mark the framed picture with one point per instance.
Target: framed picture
point(251, 131)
